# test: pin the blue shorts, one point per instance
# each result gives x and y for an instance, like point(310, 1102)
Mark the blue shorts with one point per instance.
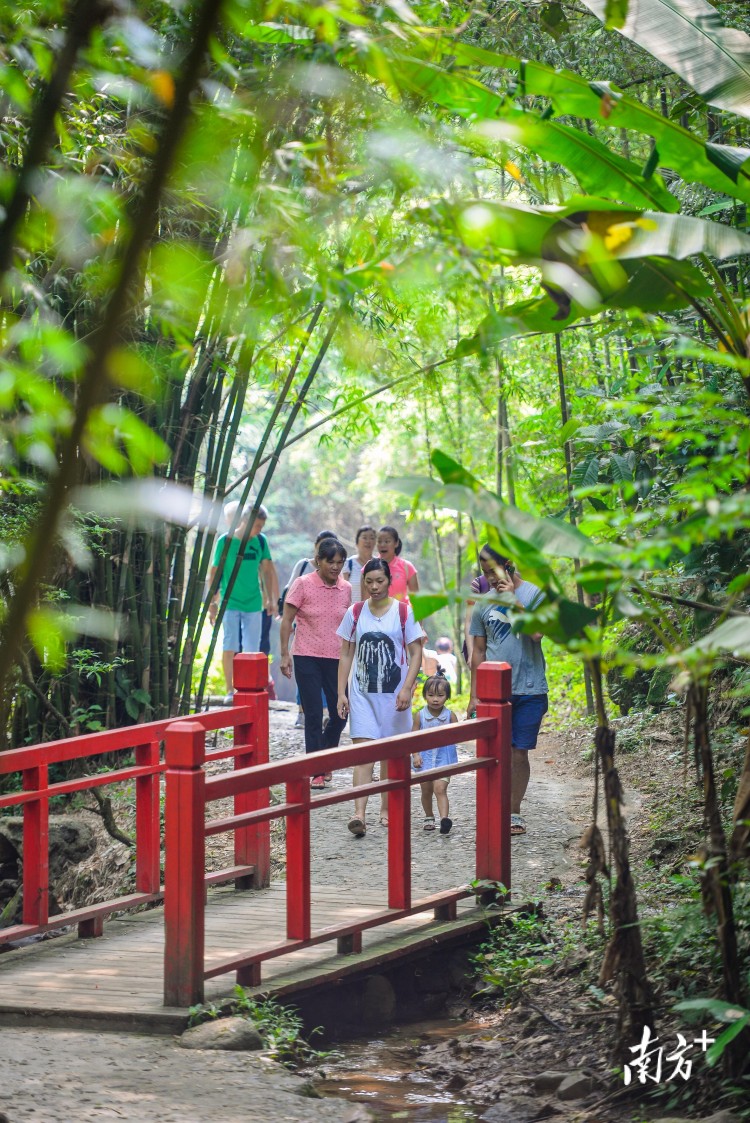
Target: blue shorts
point(437, 758)
point(527, 711)
point(242, 630)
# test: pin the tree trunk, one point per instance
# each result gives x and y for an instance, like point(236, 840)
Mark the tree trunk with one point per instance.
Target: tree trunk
point(623, 959)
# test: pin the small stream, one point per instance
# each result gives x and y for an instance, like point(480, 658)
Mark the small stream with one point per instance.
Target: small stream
point(382, 1074)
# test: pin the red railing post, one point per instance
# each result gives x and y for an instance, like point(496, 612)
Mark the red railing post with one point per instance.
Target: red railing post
point(399, 834)
point(36, 847)
point(252, 845)
point(298, 925)
point(184, 872)
point(493, 783)
point(147, 827)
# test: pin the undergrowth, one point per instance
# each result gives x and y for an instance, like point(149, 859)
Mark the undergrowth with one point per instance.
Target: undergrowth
point(280, 1027)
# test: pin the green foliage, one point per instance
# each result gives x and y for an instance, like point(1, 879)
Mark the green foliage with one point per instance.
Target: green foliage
point(516, 948)
point(737, 1017)
point(280, 1026)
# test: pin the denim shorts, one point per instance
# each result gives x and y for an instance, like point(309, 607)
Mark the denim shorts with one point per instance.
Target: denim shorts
point(242, 630)
point(527, 711)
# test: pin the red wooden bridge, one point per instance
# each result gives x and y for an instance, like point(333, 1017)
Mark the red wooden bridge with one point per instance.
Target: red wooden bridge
point(145, 968)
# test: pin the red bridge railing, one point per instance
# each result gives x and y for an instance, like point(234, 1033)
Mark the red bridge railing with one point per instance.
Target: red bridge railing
point(249, 720)
point(189, 791)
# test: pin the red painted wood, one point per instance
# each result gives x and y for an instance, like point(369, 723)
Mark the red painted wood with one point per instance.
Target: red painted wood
point(298, 862)
point(250, 674)
point(494, 682)
point(36, 848)
point(300, 767)
point(493, 784)
point(184, 898)
point(399, 834)
point(188, 791)
point(83, 783)
point(147, 825)
point(111, 740)
point(231, 873)
point(77, 916)
point(280, 810)
point(252, 843)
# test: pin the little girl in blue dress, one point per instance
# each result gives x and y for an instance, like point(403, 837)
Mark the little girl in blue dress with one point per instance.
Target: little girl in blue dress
point(436, 692)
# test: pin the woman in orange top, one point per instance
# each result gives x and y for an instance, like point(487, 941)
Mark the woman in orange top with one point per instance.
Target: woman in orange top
point(404, 579)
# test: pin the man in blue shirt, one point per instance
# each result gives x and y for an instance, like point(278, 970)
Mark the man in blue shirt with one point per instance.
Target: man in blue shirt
point(494, 640)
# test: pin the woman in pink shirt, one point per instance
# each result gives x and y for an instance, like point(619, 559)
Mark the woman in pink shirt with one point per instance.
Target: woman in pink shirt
point(317, 603)
point(404, 579)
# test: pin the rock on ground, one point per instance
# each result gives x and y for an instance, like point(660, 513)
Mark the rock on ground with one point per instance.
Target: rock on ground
point(235, 1035)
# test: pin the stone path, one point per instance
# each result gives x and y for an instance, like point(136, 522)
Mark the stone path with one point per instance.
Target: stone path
point(441, 862)
point(55, 1076)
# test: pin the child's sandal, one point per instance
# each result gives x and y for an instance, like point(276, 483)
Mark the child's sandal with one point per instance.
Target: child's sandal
point(429, 823)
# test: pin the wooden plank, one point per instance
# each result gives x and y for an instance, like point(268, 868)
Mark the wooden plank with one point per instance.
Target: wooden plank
point(115, 981)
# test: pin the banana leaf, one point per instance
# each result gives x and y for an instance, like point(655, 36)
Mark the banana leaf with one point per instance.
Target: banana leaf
point(723, 168)
point(689, 37)
point(571, 233)
point(598, 170)
point(654, 285)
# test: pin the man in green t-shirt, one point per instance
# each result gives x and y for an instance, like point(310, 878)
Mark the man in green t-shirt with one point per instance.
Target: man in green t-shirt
point(255, 590)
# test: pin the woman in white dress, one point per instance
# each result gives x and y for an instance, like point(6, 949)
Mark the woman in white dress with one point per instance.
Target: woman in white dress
point(381, 638)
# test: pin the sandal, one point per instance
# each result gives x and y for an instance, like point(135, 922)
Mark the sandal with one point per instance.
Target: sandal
point(357, 826)
point(429, 823)
point(318, 783)
point(384, 820)
point(517, 824)
point(445, 825)
point(328, 776)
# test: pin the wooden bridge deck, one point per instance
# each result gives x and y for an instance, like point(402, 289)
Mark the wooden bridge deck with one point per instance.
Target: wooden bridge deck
point(115, 981)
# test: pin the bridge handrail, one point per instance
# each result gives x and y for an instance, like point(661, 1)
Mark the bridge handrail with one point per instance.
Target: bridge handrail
point(189, 791)
point(249, 720)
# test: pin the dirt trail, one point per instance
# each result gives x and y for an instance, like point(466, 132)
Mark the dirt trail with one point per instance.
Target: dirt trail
point(555, 812)
point(54, 1075)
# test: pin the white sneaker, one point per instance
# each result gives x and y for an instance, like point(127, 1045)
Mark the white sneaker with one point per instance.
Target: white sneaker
point(299, 723)
point(229, 699)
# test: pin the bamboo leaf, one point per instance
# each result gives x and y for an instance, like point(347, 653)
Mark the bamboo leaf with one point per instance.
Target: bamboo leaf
point(690, 38)
point(276, 33)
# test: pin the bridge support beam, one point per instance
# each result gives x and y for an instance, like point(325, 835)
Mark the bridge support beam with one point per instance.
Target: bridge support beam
point(493, 783)
point(252, 845)
point(185, 842)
